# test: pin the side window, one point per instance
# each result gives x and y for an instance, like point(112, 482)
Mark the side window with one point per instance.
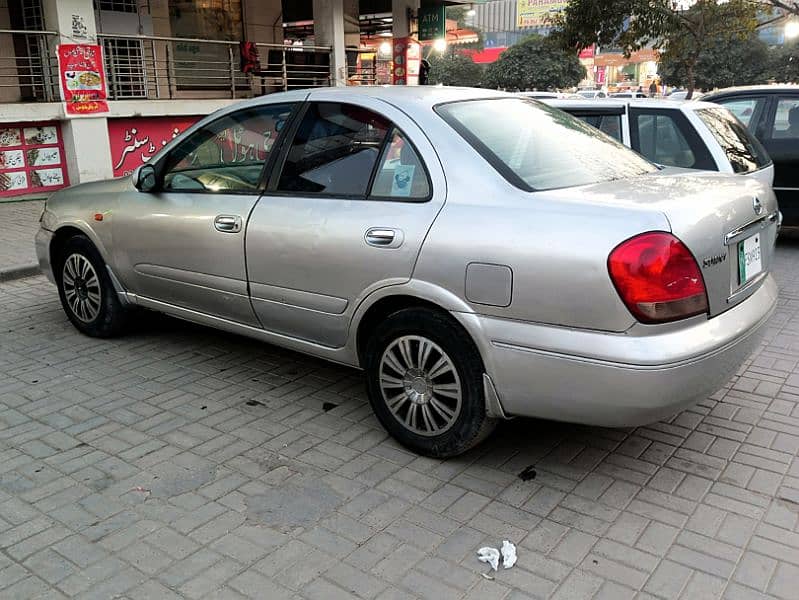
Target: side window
point(666, 138)
point(747, 110)
point(334, 151)
point(401, 174)
point(227, 155)
point(786, 119)
point(609, 124)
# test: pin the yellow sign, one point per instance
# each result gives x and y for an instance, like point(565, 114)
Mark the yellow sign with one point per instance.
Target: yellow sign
point(536, 13)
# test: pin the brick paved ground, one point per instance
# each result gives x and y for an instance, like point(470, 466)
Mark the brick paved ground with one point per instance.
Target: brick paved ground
point(179, 462)
point(18, 221)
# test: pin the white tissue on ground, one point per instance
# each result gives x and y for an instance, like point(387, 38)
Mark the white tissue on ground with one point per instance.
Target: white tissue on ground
point(508, 554)
point(490, 556)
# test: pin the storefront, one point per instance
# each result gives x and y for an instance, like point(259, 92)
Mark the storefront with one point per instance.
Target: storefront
point(617, 72)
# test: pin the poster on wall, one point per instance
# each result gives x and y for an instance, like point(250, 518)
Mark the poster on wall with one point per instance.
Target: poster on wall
point(31, 158)
point(537, 13)
point(82, 78)
point(134, 141)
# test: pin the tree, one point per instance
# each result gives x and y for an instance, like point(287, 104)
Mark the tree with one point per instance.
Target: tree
point(788, 6)
point(783, 64)
point(684, 30)
point(455, 69)
point(535, 63)
point(723, 63)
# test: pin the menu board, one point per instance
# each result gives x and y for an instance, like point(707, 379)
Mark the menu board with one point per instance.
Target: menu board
point(31, 158)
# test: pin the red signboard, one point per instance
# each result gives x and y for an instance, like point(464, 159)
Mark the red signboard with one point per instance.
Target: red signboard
point(407, 60)
point(82, 78)
point(589, 52)
point(31, 158)
point(135, 140)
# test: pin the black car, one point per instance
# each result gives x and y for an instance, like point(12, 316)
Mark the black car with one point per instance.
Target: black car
point(771, 112)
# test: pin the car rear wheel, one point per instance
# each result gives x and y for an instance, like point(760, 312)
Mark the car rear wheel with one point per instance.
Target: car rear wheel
point(86, 291)
point(425, 383)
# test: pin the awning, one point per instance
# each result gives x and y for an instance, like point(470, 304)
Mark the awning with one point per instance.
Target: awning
point(487, 56)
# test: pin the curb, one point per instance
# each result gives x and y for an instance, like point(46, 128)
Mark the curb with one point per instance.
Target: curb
point(19, 272)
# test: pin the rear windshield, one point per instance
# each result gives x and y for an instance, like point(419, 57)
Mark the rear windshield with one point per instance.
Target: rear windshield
point(536, 147)
point(742, 149)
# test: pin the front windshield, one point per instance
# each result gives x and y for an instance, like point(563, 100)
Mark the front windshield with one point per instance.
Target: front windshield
point(537, 147)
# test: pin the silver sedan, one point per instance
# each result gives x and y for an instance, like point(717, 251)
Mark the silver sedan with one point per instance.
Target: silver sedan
point(478, 254)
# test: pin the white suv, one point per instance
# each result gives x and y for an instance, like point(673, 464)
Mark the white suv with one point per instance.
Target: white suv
point(691, 135)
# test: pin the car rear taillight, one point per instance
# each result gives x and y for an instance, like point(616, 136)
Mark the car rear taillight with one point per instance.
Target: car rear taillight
point(658, 278)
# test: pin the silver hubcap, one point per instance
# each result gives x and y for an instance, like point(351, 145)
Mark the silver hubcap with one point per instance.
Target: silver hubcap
point(81, 287)
point(420, 385)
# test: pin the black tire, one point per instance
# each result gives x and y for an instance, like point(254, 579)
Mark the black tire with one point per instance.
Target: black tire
point(471, 425)
point(111, 316)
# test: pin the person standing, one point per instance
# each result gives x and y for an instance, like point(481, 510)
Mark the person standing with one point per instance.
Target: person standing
point(653, 89)
point(424, 72)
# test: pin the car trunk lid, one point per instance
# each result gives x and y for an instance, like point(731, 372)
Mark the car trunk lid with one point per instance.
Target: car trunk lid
point(728, 223)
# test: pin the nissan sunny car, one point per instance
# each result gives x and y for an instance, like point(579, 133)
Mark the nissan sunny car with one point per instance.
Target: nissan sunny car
point(479, 255)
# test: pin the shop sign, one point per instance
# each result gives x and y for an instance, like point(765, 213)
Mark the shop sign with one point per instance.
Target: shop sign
point(134, 141)
point(31, 158)
point(645, 55)
point(432, 22)
point(537, 13)
point(82, 78)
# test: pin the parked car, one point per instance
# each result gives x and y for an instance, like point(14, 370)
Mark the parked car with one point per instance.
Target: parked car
point(478, 254)
point(592, 94)
point(772, 114)
point(540, 95)
point(630, 94)
point(692, 135)
point(683, 94)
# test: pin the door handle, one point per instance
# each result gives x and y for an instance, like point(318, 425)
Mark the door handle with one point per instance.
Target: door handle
point(227, 223)
point(383, 237)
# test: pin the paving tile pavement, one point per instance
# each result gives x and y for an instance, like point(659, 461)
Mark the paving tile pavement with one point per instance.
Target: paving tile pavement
point(20, 220)
point(180, 462)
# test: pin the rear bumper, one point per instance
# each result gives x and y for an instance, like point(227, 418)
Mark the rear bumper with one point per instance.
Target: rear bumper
point(42, 240)
point(617, 380)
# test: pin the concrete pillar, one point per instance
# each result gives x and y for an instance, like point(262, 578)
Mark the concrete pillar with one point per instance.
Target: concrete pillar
point(399, 11)
point(336, 25)
point(87, 149)
point(85, 138)
point(72, 19)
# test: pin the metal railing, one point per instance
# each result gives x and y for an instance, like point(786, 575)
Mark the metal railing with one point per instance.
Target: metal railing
point(28, 71)
point(158, 67)
point(155, 67)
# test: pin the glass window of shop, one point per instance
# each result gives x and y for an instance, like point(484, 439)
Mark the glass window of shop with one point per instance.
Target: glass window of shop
point(199, 65)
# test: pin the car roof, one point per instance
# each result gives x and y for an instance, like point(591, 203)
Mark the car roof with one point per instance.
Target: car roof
point(538, 94)
point(622, 102)
point(401, 96)
point(746, 90)
point(404, 96)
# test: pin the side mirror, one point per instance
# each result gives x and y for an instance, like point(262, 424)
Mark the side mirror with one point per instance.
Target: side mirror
point(146, 179)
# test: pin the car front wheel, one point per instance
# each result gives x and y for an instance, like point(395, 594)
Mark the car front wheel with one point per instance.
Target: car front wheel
point(86, 291)
point(425, 383)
